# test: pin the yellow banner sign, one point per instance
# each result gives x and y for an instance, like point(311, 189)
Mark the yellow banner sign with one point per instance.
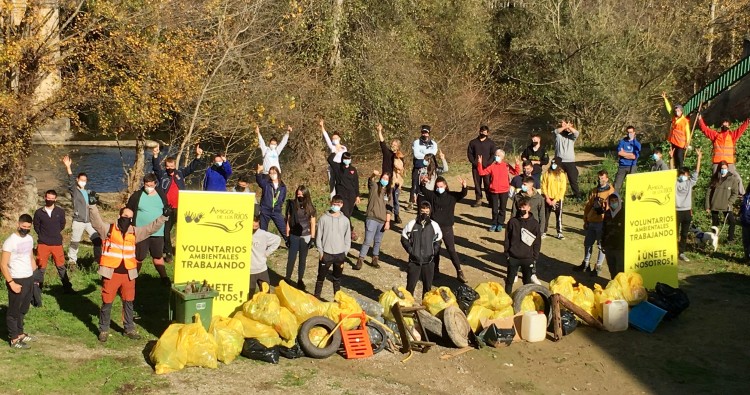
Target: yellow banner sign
point(214, 242)
point(651, 227)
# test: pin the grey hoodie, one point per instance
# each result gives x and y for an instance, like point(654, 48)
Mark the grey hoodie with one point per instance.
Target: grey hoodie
point(333, 234)
point(264, 244)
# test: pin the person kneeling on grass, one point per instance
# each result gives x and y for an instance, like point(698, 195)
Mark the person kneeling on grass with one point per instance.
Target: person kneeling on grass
point(264, 244)
point(118, 266)
point(18, 265)
point(523, 240)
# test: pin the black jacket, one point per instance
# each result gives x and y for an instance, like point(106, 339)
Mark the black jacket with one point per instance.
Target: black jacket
point(613, 234)
point(443, 204)
point(136, 197)
point(165, 180)
point(346, 179)
point(388, 157)
point(514, 245)
point(49, 228)
point(485, 148)
point(540, 155)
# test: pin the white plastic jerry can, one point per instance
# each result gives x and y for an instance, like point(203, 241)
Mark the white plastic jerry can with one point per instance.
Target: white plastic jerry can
point(534, 326)
point(616, 315)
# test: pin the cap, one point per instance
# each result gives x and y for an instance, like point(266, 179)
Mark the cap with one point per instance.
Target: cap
point(425, 129)
point(678, 107)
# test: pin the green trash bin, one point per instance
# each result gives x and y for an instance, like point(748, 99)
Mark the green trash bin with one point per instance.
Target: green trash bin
point(184, 305)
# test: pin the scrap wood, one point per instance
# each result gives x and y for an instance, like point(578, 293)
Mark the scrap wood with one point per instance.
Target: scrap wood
point(447, 356)
point(581, 313)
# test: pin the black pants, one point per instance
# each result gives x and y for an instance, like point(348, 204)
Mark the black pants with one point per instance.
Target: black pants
point(105, 315)
point(622, 171)
point(348, 208)
point(679, 157)
point(684, 218)
point(526, 266)
point(615, 261)
point(262, 276)
point(416, 272)
point(450, 244)
point(499, 206)
point(297, 247)
point(18, 306)
point(571, 171)
point(746, 241)
point(717, 219)
point(557, 209)
point(326, 261)
point(480, 183)
point(168, 226)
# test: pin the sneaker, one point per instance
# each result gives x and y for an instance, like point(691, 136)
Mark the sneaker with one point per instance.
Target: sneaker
point(518, 277)
point(168, 258)
point(132, 335)
point(560, 236)
point(595, 272)
point(26, 338)
point(583, 267)
point(535, 280)
point(19, 345)
point(499, 228)
point(492, 228)
point(477, 203)
point(103, 336)
point(684, 257)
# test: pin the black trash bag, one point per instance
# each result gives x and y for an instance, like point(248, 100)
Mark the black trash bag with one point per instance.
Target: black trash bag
point(496, 337)
point(253, 349)
point(568, 321)
point(292, 352)
point(465, 296)
point(673, 300)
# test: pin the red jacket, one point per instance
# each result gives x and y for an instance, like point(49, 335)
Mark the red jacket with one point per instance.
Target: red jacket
point(500, 174)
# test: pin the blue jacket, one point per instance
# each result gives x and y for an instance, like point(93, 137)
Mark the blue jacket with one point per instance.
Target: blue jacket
point(271, 200)
point(179, 174)
point(631, 147)
point(216, 177)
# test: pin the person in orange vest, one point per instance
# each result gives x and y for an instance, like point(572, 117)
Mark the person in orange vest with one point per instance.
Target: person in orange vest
point(724, 141)
point(118, 266)
point(679, 132)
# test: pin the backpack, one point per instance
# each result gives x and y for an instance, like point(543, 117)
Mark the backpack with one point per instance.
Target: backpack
point(745, 210)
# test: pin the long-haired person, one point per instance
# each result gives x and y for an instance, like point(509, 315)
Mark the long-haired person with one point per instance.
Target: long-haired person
point(300, 229)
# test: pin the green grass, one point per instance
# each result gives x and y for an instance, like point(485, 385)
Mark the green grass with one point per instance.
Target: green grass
point(296, 378)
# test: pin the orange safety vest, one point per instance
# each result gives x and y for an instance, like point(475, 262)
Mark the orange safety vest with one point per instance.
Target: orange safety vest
point(117, 249)
point(678, 135)
point(723, 148)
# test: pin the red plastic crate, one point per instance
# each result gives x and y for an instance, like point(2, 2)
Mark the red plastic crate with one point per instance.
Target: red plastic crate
point(357, 341)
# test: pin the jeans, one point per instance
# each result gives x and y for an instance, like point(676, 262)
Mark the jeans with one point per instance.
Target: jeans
point(416, 272)
point(374, 232)
point(450, 244)
point(557, 209)
point(622, 171)
point(77, 229)
point(396, 194)
point(593, 234)
point(278, 220)
point(717, 219)
point(18, 306)
point(615, 262)
point(514, 264)
point(297, 244)
point(480, 183)
point(683, 225)
point(499, 206)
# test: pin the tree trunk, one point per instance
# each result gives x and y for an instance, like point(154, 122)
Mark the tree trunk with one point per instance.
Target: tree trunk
point(136, 172)
point(335, 58)
point(710, 36)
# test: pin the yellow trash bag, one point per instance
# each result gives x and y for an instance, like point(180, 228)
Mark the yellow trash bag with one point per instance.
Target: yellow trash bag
point(301, 304)
point(492, 296)
point(389, 298)
point(263, 307)
point(563, 285)
point(532, 302)
point(228, 335)
point(166, 356)
point(476, 314)
point(286, 326)
point(504, 313)
point(254, 329)
point(346, 305)
point(199, 345)
point(316, 335)
point(438, 299)
point(629, 287)
point(583, 297)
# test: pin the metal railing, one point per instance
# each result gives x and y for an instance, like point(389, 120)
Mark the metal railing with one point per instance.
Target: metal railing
point(728, 78)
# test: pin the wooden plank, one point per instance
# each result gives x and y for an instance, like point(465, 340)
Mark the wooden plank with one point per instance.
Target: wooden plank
point(582, 314)
point(556, 319)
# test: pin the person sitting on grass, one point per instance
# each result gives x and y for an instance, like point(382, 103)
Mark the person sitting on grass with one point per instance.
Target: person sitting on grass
point(523, 240)
point(17, 265)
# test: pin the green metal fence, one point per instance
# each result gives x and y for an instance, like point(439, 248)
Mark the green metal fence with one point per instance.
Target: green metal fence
point(721, 83)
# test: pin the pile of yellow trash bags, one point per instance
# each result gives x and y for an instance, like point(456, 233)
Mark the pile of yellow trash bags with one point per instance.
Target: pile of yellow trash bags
point(271, 318)
point(493, 303)
point(625, 286)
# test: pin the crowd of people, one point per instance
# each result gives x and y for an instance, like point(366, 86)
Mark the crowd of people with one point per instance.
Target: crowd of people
point(535, 184)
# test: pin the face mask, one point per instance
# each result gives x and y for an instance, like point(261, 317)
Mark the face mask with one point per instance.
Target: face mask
point(425, 162)
point(299, 199)
point(614, 205)
point(272, 146)
point(23, 232)
point(347, 162)
point(523, 212)
point(335, 209)
point(724, 128)
point(524, 188)
point(724, 172)
point(170, 171)
point(683, 178)
point(149, 190)
point(82, 184)
point(423, 217)
point(335, 141)
point(535, 143)
point(274, 177)
point(383, 182)
point(218, 164)
point(656, 157)
point(554, 166)
point(498, 158)
point(424, 139)
point(124, 223)
point(49, 203)
point(482, 136)
point(440, 190)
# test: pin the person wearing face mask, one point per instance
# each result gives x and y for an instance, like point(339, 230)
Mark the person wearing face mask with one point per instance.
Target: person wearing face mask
point(537, 155)
point(593, 217)
point(659, 164)
point(684, 202)
point(264, 244)
point(628, 152)
point(428, 175)
point(300, 229)
point(81, 197)
point(119, 267)
point(481, 146)
point(724, 143)
point(613, 235)
point(443, 204)
point(337, 149)
point(393, 163)
point(565, 138)
point(421, 239)
point(217, 174)
point(527, 170)
point(18, 265)
point(554, 185)
point(272, 152)
point(333, 239)
point(523, 240)
point(720, 198)
point(49, 222)
point(243, 185)
point(347, 184)
point(679, 132)
point(420, 148)
point(272, 198)
point(499, 172)
point(147, 205)
point(379, 212)
point(171, 180)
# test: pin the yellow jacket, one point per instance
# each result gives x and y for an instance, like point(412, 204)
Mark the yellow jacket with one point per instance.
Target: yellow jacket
point(554, 185)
